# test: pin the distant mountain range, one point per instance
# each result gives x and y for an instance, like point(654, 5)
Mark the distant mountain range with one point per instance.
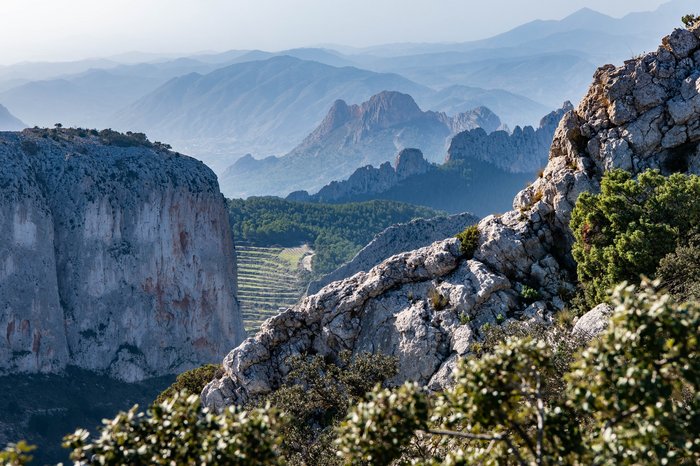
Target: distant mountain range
point(265, 107)
point(481, 174)
point(220, 106)
point(9, 122)
point(351, 136)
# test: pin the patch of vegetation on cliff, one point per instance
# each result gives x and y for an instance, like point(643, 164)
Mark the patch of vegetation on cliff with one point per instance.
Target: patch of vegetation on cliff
point(627, 229)
point(336, 232)
point(108, 137)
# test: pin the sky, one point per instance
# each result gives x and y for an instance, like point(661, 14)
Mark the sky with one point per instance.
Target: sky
point(50, 30)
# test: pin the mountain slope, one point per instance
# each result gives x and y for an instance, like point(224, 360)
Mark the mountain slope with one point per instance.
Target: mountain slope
point(349, 137)
point(261, 106)
point(9, 122)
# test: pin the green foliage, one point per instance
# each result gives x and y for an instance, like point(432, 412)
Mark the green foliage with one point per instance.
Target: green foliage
point(317, 394)
point(192, 382)
point(469, 240)
point(630, 397)
point(437, 299)
point(624, 232)
point(376, 431)
point(178, 431)
point(639, 382)
point(16, 454)
point(108, 137)
point(336, 232)
point(690, 20)
point(679, 271)
point(529, 294)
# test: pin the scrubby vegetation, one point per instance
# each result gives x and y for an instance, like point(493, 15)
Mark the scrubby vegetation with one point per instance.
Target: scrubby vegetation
point(107, 137)
point(191, 382)
point(529, 395)
point(469, 240)
point(627, 229)
point(336, 232)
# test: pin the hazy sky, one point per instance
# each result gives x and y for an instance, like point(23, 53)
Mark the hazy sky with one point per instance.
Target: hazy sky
point(72, 29)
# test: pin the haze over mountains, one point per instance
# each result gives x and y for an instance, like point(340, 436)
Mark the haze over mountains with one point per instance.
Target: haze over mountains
point(221, 106)
point(9, 122)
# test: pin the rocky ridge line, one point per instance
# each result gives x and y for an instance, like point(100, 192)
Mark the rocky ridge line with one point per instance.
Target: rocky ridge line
point(643, 114)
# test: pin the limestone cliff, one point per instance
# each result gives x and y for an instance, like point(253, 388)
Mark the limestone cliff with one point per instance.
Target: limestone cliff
point(396, 239)
point(643, 114)
point(113, 259)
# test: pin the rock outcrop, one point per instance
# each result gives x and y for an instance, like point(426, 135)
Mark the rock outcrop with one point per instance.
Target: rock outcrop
point(394, 240)
point(593, 322)
point(352, 136)
point(643, 114)
point(114, 259)
point(525, 150)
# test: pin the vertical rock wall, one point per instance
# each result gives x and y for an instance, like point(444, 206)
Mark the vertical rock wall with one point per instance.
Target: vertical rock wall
point(116, 259)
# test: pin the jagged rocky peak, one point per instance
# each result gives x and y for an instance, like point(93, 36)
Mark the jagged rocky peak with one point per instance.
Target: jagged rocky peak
point(117, 256)
point(479, 117)
point(339, 114)
point(643, 114)
point(525, 150)
point(410, 162)
point(552, 119)
point(387, 109)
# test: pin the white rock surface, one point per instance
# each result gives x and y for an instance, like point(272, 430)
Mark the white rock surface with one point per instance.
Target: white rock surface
point(396, 239)
point(112, 259)
point(593, 322)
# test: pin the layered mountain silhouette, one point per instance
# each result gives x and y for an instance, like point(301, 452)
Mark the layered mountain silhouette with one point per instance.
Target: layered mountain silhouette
point(9, 122)
point(351, 136)
point(481, 172)
point(261, 106)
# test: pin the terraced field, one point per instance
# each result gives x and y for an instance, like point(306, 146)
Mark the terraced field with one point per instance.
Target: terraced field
point(270, 278)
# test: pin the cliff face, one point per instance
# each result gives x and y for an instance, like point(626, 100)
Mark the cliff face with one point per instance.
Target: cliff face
point(114, 259)
point(640, 115)
point(522, 151)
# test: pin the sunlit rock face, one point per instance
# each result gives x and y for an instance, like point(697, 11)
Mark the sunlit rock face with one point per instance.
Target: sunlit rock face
point(113, 259)
point(643, 114)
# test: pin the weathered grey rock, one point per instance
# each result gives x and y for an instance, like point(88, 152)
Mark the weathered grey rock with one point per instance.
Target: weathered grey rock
point(113, 259)
point(522, 151)
point(389, 309)
point(396, 239)
point(593, 322)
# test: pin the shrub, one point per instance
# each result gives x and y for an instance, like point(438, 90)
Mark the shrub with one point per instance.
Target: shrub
point(690, 20)
point(192, 382)
point(679, 271)
point(469, 240)
point(179, 431)
point(529, 294)
point(437, 299)
point(16, 454)
point(625, 231)
point(317, 394)
point(630, 397)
